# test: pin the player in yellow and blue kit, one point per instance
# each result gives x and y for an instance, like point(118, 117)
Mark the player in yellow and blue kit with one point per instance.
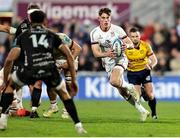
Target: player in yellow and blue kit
point(141, 60)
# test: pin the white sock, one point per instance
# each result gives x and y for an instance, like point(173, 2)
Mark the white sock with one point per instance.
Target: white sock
point(53, 104)
point(139, 107)
point(34, 109)
point(4, 116)
point(19, 99)
point(78, 124)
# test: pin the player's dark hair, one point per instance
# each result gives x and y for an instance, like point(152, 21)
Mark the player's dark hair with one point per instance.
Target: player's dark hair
point(33, 6)
point(37, 17)
point(133, 30)
point(104, 10)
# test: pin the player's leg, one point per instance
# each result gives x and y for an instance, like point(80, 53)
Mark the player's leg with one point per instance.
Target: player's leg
point(6, 101)
point(70, 91)
point(120, 83)
point(56, 82)
point(17, 100)
point(136, 78)
point(70, 107)
point(16, 103)
point(148, 87)
point(35, 98)
point(53, 101)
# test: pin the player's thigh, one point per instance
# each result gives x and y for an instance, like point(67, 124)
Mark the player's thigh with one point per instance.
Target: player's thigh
point(116, 75)
point(62, 91)
point(53, 80)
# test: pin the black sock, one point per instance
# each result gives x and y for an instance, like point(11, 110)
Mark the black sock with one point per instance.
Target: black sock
point(71, 109)
point(6, 101)
point(152, 105)
point(131, 100)
point(35, 97)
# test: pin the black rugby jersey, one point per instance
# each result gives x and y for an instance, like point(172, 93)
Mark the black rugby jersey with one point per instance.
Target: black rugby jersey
point(37, 46)
point(23, 26)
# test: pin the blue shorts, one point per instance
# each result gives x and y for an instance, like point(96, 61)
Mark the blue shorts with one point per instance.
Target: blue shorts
point(139, 77)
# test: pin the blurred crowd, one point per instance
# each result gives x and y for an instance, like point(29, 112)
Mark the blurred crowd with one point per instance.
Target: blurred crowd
point(164, 41)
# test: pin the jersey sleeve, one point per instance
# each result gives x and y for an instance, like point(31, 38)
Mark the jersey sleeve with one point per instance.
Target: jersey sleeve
point(149, 50)
point(93, 36)
point(65, 39)
point(17, 42)
point(121, 32)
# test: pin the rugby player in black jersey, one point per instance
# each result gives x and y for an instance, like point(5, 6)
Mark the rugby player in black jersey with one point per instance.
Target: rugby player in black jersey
point(34, 55)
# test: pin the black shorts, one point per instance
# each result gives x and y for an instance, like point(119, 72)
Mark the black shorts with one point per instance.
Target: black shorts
point(139, 77)
point(51, 78)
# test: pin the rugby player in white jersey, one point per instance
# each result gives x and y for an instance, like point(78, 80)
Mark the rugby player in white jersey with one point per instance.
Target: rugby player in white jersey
point(62, 65)
point(102, 38)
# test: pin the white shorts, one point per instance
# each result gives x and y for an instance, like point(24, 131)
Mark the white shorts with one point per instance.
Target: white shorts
point(62, 61)
point(123, 62)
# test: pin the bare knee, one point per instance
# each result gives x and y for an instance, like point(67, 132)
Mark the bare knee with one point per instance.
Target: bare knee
point(150, 95)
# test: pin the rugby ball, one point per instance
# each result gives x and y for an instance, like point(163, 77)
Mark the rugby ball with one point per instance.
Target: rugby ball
point(117, 46)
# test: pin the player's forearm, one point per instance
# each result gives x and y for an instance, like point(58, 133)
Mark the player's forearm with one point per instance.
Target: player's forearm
point(4, 28)
point(70, 62)
point(100, 54)
point(153, 61)
point(127, 41)
point(7, 69)
point(76, 50)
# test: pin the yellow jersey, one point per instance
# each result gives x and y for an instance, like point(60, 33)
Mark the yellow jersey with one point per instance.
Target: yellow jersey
point(138, 57)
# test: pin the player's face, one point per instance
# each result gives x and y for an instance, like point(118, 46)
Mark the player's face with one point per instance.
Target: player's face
point(105, 20)
point(135, 37)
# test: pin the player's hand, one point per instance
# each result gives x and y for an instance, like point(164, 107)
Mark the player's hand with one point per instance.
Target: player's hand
point(129, 64)
point(111, 53)
point(123, 48)
point(148, 67)
point(2, 87)
point(129, 46)
point(74, 86)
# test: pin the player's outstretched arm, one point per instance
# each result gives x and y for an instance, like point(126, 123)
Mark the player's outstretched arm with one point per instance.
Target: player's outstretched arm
point(4, 28)
point(7, 29)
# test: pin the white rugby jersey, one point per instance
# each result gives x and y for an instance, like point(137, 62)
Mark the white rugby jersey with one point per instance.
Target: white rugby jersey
point(105, 40)
point(66, 40)
point(59, 56)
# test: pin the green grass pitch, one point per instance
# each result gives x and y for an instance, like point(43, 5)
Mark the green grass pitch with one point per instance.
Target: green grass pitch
point(100, 118)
